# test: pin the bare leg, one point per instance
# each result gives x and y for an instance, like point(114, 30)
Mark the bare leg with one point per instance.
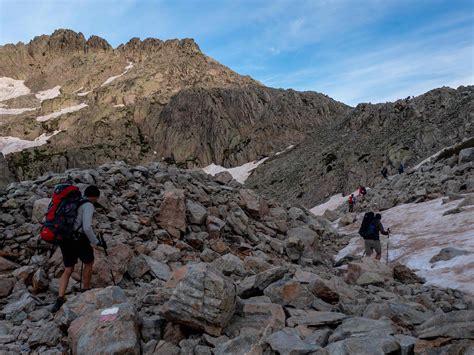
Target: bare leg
point(378, 256)
point(88, 275)
point(64, 281)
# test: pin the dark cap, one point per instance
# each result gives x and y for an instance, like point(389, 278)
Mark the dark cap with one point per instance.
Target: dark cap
point(92, 191)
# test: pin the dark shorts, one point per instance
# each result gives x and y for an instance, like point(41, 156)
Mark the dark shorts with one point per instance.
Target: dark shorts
point(77, 249)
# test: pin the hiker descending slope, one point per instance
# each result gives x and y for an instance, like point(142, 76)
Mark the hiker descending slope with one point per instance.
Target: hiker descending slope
point(77, 245)
point(384, 172)
point(401, 168)
point(370, 230)
point(362, 192)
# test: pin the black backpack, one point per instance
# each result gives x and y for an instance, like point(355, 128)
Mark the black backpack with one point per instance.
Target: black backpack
point(367, 228)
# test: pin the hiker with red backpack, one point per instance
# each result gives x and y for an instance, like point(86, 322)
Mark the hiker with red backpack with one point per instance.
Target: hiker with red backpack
point(370, 230)
point(362, 192)
point(351, 202)
point(68, 223)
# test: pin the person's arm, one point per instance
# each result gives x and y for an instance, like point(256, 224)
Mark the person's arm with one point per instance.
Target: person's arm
point(381, 230)
point(88, 212)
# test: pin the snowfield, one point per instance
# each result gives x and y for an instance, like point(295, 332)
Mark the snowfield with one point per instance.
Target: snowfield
point(112, 78)
point(49, 94)
point(61, 112)
point(239, 173)
point(13, 144)
point(419, 232)
point(16, 111)
point(11, 88)
point(333, 203)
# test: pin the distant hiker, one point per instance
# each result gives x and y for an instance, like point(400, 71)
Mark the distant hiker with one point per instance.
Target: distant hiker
point(78, 245)
point(370, 230)
point(351, 202)
point(362, 192)
point(401, 168)
point(384, 172)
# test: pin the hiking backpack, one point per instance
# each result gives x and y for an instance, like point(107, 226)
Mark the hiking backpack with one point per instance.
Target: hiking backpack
point(367, 228)
point(62, 212)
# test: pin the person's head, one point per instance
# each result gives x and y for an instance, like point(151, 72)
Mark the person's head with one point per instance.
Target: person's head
point(378, 216)
point(352, 195)
point(92, 193)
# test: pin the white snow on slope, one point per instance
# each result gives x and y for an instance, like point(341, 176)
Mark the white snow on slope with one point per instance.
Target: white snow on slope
point(333, 203)
point(61, 112)
point(16, 111)
point(420, 231)
point(11, 88)
point(49, 94)
point(13, 144)
point(84, 93)
point(239, 173)
point(433, 157)
point(112, 78)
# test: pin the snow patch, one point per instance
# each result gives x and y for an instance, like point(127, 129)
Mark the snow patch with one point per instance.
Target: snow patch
point(239, 173)
point(11, 88)
point(49, 94)
point(112, 78)
point(61, 112)
point(285, 150)
point(333, 203)
point(419, 232)
point(119, 105)
point(84, 93)
point(16, 111)
point(13, 144)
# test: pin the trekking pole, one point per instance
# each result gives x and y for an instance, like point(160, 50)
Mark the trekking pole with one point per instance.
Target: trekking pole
point(104, 245)
point(388, 240)
point(80, 281)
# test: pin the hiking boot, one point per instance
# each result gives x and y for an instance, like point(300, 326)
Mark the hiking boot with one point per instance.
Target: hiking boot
point(57, 305)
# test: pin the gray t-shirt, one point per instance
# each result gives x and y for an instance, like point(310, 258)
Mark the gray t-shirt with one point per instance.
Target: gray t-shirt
point(83, 222)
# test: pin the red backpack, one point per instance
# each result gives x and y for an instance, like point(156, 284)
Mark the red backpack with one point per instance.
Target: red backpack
point(62, 212)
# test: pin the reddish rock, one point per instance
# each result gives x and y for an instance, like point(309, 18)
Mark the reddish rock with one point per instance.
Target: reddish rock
point(172, 213)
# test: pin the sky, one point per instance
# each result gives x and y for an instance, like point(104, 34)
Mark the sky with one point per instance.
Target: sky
point(354, 51)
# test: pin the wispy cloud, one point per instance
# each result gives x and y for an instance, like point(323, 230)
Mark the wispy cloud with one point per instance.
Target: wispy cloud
point(352, 50)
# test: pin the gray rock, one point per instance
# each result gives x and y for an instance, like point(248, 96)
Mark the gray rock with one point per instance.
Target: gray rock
point(40, 207)
point(151, 327)
point(197, 213)
point(224, 177)
point(314, 318)
point(254, 285)
point(172, 212)
point(158, 269)
point(229, 264)
point(49, 334)
point(238, 346)
point(456, 325)
point(448, 254)
point(362, 327)
point(166, 348)
point(106, 331)
point(404, 314)
point(364, 346)
point(202, 298)
point(138, 267)
point(466, 155)
point(407, 344)
point(6, 176)
point(288, 342)
point(238, 220)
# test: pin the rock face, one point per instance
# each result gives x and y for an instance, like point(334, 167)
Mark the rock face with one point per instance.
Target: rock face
point(6, 176)
point(202, 299)
point(369, 137)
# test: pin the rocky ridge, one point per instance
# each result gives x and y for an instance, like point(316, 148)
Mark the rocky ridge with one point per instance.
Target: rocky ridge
point(352, 150)
point(205, 267)
point(146, 100)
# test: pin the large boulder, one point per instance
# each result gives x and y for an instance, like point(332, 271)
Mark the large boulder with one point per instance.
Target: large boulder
point(88, 302)
point(360, 326)
point(255, 285)
point(405, 275)
point(313, 318)
point(111, 330)
point(202, 298)
point(172, 212)
point(323, 289)
point(288, 342)
point(406, 315)
point(307, 237)
point(119, 256)
point(197, 213)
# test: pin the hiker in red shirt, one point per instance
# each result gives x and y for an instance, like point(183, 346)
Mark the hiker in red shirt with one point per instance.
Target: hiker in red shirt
point(362, 192)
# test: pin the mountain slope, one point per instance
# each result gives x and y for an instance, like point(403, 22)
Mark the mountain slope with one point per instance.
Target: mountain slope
point(353, 149)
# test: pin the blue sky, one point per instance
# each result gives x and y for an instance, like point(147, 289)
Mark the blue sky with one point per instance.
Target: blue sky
point(354, 51)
